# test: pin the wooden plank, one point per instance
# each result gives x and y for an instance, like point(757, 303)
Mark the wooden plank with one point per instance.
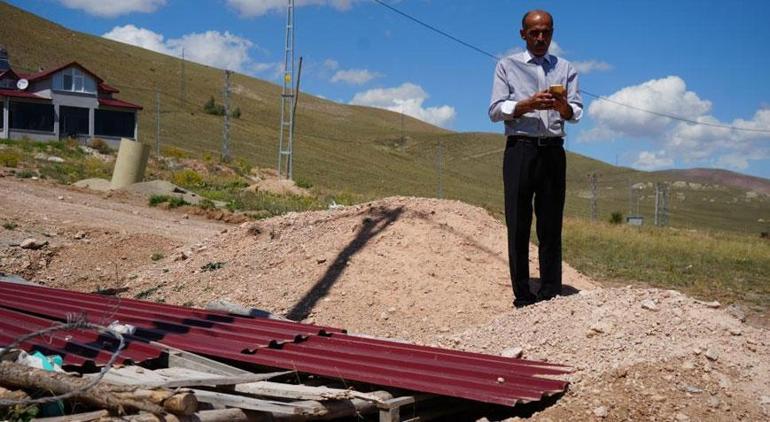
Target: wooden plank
point(293, 391)
point(178, 358)
point(182, 377)
point(390, 410)
point(250, 403)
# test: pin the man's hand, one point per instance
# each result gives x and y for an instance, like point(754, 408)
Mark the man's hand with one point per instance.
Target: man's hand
point(562, 106)
point(543, 100)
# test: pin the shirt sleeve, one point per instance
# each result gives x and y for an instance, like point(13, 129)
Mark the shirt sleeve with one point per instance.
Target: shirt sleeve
point(501, 106)
point(573, 95)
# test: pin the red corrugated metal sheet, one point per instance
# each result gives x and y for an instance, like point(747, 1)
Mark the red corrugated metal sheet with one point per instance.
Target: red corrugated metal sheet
point(306, 348)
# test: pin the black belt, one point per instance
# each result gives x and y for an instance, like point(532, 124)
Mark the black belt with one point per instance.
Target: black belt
point(543, 141)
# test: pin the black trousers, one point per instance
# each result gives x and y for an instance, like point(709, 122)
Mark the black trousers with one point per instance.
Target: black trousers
point(539, 172)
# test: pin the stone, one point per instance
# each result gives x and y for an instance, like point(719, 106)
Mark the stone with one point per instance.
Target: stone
point(512, 352)
point(32, 243)
point(649, 304)
point(500, 380)
point(712, 354)
point(737, 312)
point(681, 417)
point(764, 400)
point(601, 412)
point(713, 402)
point(735, 332)
point(688, 365)
point(713, 305)
point(693, 390)
point(55, 159)
point(658, 398)
point(80, 235)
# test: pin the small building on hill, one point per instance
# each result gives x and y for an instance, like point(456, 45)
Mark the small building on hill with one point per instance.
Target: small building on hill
point(67, 101)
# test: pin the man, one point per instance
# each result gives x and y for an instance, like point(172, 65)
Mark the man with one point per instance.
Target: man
point(534, 164)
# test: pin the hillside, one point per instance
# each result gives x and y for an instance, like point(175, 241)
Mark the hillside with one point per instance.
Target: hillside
point(351, 149)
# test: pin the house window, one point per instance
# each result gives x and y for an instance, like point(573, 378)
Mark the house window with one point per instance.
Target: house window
point(74, 80)
point(31, 116)
point(114, 123)
point(73, 121)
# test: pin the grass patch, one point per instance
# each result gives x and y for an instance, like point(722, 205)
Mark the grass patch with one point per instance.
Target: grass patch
point(712, 265)
point(172, 201)
point(10, 225)
point(157, 256)
point(144, 294)
point(25, 174)
point(212, 266)
point(9, 158)
point(272, 204)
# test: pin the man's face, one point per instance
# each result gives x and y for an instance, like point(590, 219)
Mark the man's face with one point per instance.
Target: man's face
point(537, 32)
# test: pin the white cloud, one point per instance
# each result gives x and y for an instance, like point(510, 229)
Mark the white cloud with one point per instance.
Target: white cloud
point(251, 8)
point(709, 142)
point(213, 48)
point(653, 160)
point(556, 49)
point(668, 95)
point(588, 66)
point(331, 64)
point(113, 8)
point(355, 76)
point(407, 98)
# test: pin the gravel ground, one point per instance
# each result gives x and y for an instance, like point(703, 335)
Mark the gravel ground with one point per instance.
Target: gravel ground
point(422, 270)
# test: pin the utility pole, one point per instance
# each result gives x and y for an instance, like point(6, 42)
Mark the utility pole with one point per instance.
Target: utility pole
point(288, 99)
point(226, 130)
point(183, 86)
point(630, 198)
point(157, 124)
point(592, 179)
point(440, 169)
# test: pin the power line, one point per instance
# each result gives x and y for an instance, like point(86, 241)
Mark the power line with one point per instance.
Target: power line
point(598, 97)
point(434, 29)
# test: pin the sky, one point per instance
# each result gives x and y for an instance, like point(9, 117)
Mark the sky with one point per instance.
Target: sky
point(706, 61)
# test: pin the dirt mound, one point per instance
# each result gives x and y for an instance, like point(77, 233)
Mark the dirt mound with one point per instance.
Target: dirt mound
point(399, 267)
point(640, 352)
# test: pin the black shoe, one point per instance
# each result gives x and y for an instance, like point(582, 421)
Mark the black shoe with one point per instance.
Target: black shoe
point(543, 296)
point(520, 303)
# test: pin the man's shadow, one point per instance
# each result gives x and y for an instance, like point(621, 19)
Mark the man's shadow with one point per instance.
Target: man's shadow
point(566, 289)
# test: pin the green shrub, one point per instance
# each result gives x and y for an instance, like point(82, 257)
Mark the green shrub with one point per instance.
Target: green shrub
point(157, 256)
point(616, 217)
point(303, 183)
point(173, 152)
point(9, 158)
point(10, 225)
point(211, 107)
point(236, 113)
point(101, 146)
point(187, 178)
point(25, 174)
point(206, 204)
point(172, 201)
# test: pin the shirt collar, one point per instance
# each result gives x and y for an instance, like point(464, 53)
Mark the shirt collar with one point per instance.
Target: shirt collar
point(530, 58)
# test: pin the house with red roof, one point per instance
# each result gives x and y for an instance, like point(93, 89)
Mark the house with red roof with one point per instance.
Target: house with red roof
point(68, 101)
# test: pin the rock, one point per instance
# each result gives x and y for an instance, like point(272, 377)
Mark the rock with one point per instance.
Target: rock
point(688, 365)
point(444, 329)
point(601, 327)
point(512, 352)
point(649, 304)
point(693, 390)
point(80, 235)
point(713, 305)
point(500, 380)
point(735, 332)
point(32, 243)
point(601, 412)
point(736, 311)
point(658, 398)
point(55, 159)
point(713, 402)
point(712, 354)
point(764, 400)
point(60, 198)
point(681, 417)
point(384, 316)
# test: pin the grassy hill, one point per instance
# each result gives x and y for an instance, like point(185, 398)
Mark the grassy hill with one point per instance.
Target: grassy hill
point(357, 150)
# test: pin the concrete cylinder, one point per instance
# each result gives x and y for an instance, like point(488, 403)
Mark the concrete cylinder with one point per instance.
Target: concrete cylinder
point(130, 164)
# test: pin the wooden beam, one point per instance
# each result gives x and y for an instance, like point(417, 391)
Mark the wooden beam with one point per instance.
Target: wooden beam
point(249, 403)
